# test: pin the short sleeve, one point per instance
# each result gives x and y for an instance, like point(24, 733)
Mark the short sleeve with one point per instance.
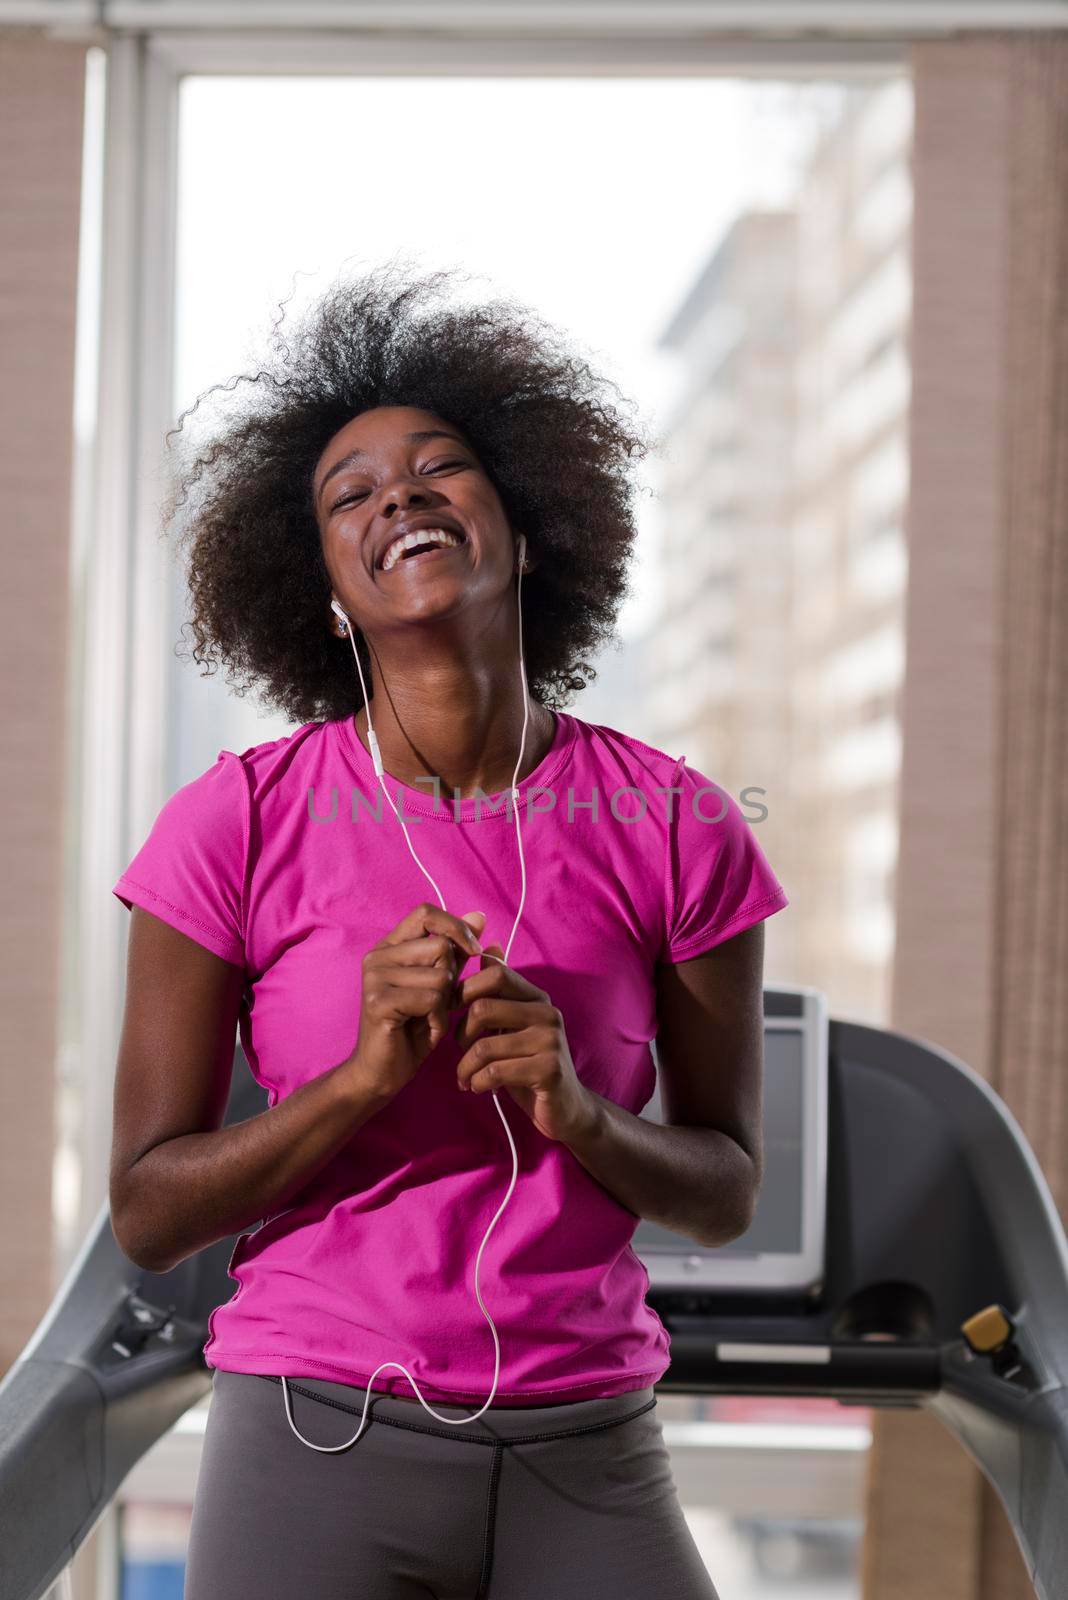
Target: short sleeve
point(190, 871)
point(719, 881)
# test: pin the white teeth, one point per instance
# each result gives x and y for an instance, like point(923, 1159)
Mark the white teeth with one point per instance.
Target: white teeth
point(396, 550)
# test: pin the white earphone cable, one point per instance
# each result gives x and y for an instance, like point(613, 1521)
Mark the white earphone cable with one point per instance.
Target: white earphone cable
point(515, 798)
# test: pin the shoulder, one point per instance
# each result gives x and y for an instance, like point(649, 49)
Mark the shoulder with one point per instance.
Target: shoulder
point(214, 811)
point(289, 760)
point(695, 790)
point(619, 754)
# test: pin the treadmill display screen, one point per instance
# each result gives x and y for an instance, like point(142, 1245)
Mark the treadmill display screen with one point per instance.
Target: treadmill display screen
point(776, 1227)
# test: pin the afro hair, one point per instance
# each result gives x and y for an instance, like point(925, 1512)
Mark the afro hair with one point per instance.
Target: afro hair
point(537, 416)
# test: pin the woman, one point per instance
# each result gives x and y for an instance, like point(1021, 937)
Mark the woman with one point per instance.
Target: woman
point(380, 502)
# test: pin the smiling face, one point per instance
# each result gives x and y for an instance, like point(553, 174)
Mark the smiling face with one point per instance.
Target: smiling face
point(385, 470)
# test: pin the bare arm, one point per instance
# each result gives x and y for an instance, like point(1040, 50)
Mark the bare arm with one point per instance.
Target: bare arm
point(179, 1181)
point(700, 1173)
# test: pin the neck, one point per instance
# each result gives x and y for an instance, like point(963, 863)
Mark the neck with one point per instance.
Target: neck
point(457, 720)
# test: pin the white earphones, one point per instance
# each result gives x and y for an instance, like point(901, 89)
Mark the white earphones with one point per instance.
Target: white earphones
point(376, 757)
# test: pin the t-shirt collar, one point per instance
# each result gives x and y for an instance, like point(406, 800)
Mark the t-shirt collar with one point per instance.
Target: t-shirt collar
point(423, 802)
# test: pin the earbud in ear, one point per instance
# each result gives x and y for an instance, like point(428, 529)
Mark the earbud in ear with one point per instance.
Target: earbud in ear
point(523, 551)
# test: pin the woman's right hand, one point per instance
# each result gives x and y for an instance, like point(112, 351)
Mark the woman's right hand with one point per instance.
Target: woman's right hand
point(409, 979)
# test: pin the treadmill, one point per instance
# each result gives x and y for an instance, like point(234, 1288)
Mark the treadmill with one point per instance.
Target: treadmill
point(905, 1251)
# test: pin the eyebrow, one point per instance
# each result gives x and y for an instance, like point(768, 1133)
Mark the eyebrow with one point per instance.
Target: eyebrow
point(353, 456)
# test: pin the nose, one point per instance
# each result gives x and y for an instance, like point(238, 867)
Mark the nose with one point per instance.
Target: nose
point(404, 495)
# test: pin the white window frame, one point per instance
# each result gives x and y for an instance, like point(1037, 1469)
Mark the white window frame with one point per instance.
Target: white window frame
point(126, 676)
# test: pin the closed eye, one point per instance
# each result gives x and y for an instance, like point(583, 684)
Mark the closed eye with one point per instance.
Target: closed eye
point(351, 499)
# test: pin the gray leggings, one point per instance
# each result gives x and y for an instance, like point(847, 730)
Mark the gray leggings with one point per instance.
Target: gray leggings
point(527, 1503)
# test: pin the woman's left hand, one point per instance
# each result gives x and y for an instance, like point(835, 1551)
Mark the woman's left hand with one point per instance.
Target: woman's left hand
point(529, 1057)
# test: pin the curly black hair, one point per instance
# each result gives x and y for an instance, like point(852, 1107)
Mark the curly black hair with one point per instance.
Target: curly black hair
point(555, 450)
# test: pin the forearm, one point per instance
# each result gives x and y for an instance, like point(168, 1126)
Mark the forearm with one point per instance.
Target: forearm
point(189, 1192)
point(695, 1181)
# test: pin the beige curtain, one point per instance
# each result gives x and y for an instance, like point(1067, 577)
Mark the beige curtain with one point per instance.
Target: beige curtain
point(982, 954)
point(41, 106)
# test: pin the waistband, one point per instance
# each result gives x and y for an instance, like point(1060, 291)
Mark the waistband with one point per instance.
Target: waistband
point(500, 1425)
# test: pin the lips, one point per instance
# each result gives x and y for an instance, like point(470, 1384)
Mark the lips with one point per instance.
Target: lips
point(439, 519)
point(418, 546)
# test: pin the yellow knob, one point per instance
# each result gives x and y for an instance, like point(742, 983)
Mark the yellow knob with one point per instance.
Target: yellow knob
point(987, 1330)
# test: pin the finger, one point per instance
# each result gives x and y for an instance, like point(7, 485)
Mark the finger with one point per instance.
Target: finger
point(416, 991)
point(420, 954)
point(403, 1002)
point(432, 950)
point(493, 955)
point(524, 1072)
point(418, 972)
point(490, 1014)
point(413, 963)
point(425, 918)
point(494, 978)
point(497, 1058)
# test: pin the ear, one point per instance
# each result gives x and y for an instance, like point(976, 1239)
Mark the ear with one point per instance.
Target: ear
point(531, 558)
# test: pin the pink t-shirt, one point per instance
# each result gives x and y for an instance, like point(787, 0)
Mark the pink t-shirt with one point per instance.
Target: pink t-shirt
point(275, 860)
